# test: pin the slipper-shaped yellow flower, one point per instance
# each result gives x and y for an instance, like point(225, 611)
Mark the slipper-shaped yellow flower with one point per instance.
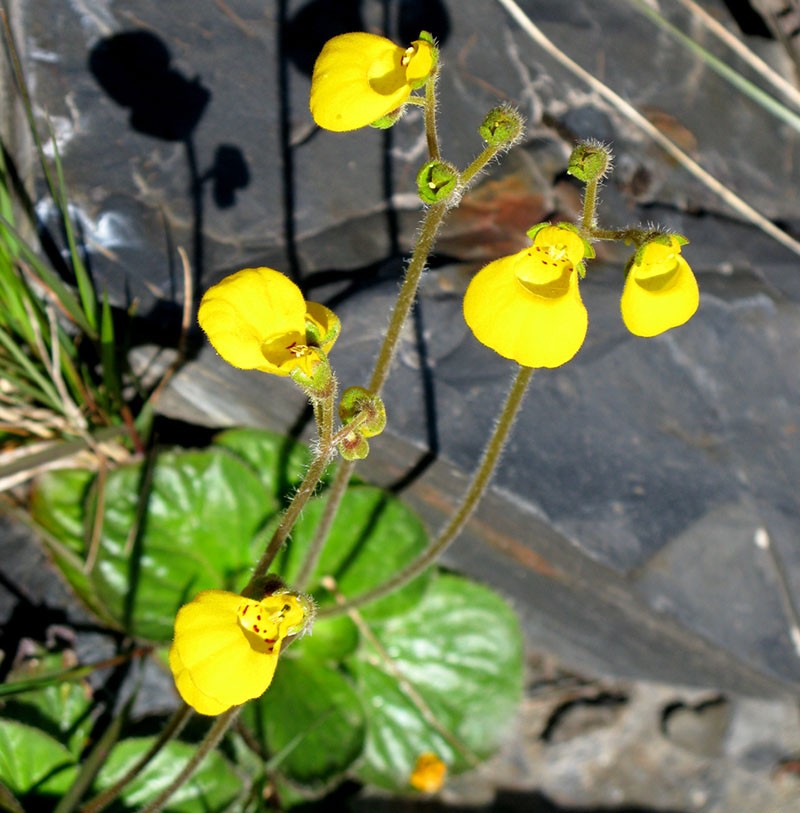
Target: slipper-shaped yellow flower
point(527, 306)
point(360, 78)
point(226, 647)
point(257, 319)
point(660, 289)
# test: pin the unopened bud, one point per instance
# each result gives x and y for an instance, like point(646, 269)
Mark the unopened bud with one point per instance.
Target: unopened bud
point(502, 126)
point(436, 180)
point(353, 446)
point(368, 408)
point(589, 161)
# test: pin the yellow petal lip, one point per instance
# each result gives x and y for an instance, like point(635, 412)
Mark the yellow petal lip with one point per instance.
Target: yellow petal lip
point(660, 291)
point(247, 309)
point(359, 78)
point(534, 325)
point(257, 319)
point(226, 647)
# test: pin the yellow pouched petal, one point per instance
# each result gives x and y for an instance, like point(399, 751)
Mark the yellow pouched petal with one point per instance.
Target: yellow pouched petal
point(360, 78)
point(249, 309)
point(226, 647)
point(660, 290)
point(535, 324)
point(527, 306)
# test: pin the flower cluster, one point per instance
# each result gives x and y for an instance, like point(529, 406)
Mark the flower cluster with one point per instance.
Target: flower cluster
point(226, 647)
point(527, 306)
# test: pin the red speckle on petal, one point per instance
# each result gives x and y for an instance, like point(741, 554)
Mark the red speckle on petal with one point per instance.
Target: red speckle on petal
point(255, 628)
point(246, 608)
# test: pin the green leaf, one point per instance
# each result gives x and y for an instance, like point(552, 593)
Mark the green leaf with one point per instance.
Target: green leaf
point(58, 508)
point(58, 505)
point(310, 720)
point(279, 461)
point(373, 536)
point(166, 535)
point(461, 651)
point(211, 788)
point(331, 640)
point(30, 760)
point(61, 709)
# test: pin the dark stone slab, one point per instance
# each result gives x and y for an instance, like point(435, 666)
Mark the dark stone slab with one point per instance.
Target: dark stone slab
point(617, 507)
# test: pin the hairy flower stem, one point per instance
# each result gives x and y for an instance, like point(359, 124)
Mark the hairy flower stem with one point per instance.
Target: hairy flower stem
point(325, 451)
point(172, 729)
point(590, 205)
point(333, 498)
point(405, 301)
point(430, 116)
point(208, 744)
point(408, 292)
point(477, 487)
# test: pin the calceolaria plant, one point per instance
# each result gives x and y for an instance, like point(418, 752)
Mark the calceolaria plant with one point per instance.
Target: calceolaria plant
point(232, 556)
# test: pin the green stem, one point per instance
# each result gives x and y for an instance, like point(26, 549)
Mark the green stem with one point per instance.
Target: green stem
point(477, 487)
point(430, 116)
point(479, 163)
point(590, 205)
point(290, 516)
point(333, 499)
point(628, 235)
point(208, 744)
point(172, 729)
point(302, 495)
point(408, 292)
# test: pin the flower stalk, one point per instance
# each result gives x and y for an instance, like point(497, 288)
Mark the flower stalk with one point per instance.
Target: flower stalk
point(204, 748)
point(480, 481)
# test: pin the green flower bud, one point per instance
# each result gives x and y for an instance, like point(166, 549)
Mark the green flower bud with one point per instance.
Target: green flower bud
point(589, 161)
point(358, 403)
point(436, 180)
point(354, 446)
point(502, 126)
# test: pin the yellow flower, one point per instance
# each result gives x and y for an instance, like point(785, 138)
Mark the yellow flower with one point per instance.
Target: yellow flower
point(429, 773)
point(226, 647)
point(527, 306)
point(360, 78)
point(660, 290)
point(257, 319)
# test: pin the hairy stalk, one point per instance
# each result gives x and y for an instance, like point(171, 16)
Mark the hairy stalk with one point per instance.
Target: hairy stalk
point(301, 497)
point(431, 133)
point(589, 205)
point(430, 226)
point(405, 300)
point(208, 744)
point(172, 729)
point(333, 499)
point(477, 487)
